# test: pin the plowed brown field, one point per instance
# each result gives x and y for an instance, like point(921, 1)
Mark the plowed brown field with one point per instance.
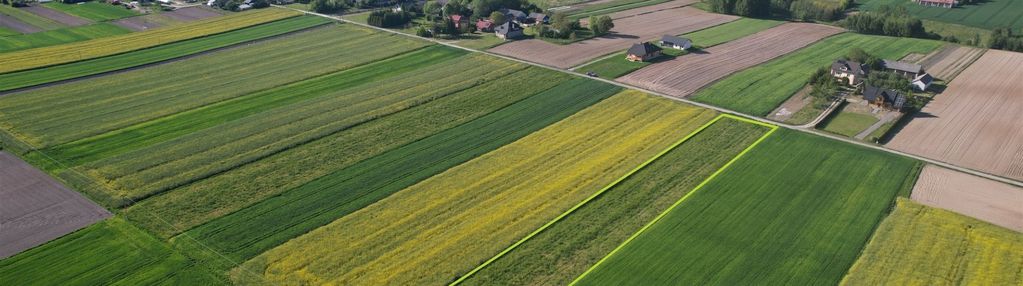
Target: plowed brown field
point(627, 31)
point(995, 202)
point(685, 75)
point(977, 122)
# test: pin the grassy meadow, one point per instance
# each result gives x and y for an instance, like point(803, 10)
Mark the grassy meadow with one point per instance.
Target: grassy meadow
point(847, 123)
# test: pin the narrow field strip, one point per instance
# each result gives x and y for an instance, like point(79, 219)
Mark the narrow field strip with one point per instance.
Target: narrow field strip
point(253, 230)
point(59, 36)
point(93, 10)
point(22, 79)
point(26, 17)
point(442, 227)
point(112, 252)
point(795, 210)
point(568, 245)
point(920, 245)
point(210, 198)
point(54, 55)
point(166, 128)
point(64, 113)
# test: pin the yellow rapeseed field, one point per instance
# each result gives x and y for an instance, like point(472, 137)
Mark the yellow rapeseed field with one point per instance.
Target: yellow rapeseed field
point(53, 55)
point(444, 226)
point(920, 245)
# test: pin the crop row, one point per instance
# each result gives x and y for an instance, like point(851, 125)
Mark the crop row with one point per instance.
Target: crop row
point(208, 199)
point(59, 36)
point(760, 89)
point(54, 55)
point(562, 252)
point(64, 113)
point(444, 226)
point(795, 210)
point(26, 78)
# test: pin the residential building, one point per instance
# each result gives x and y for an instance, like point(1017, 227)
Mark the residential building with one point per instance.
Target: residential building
point(642, 52)
point(884, 98)
point(538, 18)
point(514, 15)
point(851, 71)
point(509, 30)
point(484, 25)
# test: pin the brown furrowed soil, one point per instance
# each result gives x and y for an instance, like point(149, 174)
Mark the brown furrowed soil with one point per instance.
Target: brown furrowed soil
point(187, 14)
point(35, 208)
point(995, 202)
point(950, 61)
point(686, 74)
point(638, 11)
point(16, 25)
point(193, 13)
point(627, 31)
point(57, 16)
point(976, 122)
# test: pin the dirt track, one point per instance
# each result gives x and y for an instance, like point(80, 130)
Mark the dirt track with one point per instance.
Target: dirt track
point(950, 61)
point(626, 32)
point(977, 122)
point(685, 75)
point(984, 199)
point(57, 16)
point(35, 208)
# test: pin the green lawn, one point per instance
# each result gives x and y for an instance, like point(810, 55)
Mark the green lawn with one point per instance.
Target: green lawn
point(568, 247)
point(795, 210)
point(847, 123)
point(760, 89)
point(730, 31)
point(29, 18)
point(93, 10)
point(59, 36)
point(26, 78)
point(989, 14)
point(111, 252)
point(616, 65)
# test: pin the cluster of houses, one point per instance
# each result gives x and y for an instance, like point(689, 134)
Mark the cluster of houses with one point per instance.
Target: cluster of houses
point(855, 73)
point(646, 51)
point(511, 29)
point(937, 3)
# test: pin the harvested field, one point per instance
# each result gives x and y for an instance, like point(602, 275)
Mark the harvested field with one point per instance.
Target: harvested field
point(685, 75)
point(626, 32)
point(976, 122)
point(920, 245)
point(141, 23)
point(57, 16)
point(588, 9)
point(440, 228)
point(189, 14)
point(995, 202)
point(17, 25)
point(35, 208)
point(947, 63)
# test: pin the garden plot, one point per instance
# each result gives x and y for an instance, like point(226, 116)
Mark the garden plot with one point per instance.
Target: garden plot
point(627, 31)
point(976, 123)
point(57, 16)
point(685, 75)
point(947, 63)
point(995, 202)
point(35, 208)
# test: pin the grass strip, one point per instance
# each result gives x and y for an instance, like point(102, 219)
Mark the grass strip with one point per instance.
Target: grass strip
point(21, 79)
point(93, 10)
point(29, 18)
point(59, 36)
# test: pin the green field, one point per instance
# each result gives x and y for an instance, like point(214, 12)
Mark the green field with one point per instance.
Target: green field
point(921, 245)
point(611, 7)
point(340, 193)
point(4, 31)
point(29, 18)
point(760, 89)
point(27, 78)
point(560, 253)
point(847, 123)
point(989, 14)
point(795, 210)
point(59, 36)
point(96, 11)
point(112, 252)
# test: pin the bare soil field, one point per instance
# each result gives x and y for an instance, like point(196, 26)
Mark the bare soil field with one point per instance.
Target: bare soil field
point(685, 75)
point(139, 23)
point(995, 202)
point(948, 62)
point(16, 25)
point(35, 208)
point(189, 14)
point(146, 22)
point(976, 122)
point(626, 32)
point(57, 16)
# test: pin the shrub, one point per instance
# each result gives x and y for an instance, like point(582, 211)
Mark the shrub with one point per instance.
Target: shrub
point(388, 18)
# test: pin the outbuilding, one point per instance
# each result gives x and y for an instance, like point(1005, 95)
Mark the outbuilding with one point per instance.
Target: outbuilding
point(922, 82)
point(908, 70)
point(676, 42)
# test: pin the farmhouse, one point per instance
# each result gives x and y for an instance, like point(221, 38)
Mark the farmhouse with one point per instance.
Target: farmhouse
point(514, 15)
point(459, 20)
point(922, 82)
point(509, 30)
point(937, 3)
point(853, 71)
point(884, 98)
point(484, 25)
point(642, 52)
point(538, 18)
point(905, 69)
point(676, 42)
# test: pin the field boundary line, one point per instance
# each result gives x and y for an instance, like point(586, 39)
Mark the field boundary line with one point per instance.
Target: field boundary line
point(686, 196)
point(597, 194)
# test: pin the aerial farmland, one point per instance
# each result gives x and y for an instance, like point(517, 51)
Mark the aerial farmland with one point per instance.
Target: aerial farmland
point(492, 142)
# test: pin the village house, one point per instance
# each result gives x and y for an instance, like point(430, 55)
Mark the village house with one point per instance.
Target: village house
point(937, 3)
point(889, 99)
point(854, 72)
point(907, 70)
point(922, 82)
point(642, 52)
point(508, 30)
point(459, 20)
point(676, 42)
point(513, 15)
point(538, 18)
point(484, 25)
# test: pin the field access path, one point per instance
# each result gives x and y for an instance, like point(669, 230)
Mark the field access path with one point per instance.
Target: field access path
point(719, 109)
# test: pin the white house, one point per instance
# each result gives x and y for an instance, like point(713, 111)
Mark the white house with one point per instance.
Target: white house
point(922, 81)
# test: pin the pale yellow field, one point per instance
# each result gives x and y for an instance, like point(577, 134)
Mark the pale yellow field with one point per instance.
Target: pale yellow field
point(441, 228)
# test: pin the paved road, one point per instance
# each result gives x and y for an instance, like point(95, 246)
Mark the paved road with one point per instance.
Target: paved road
point(719, 109)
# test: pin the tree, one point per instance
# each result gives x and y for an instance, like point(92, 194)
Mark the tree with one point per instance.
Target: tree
point(432, 10)
point(328, 6)
point(453, 7)
point(422, 31)
point(497, 18)
point(601, 25)
point(562, 26)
